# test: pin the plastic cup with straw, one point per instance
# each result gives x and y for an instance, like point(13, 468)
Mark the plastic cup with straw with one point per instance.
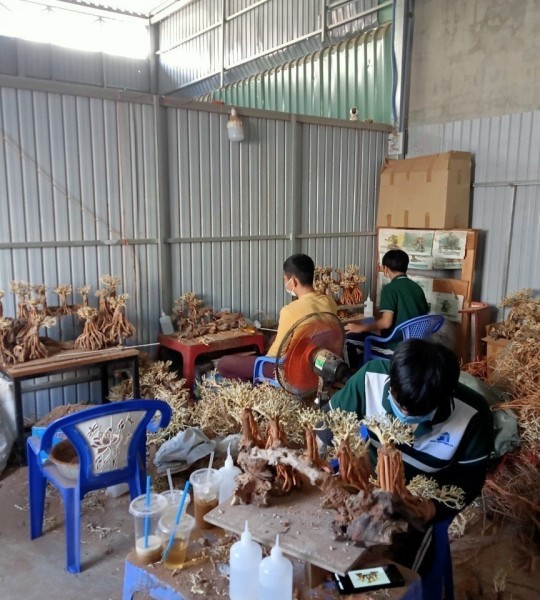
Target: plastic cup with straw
point(147, 510)
point(206, 484)
point(147, 506)
point(173, 530)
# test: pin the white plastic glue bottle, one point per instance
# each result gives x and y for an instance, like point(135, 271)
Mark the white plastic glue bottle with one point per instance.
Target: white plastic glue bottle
point(275, 576)
point(368, 307)
point(244, 560)
point(228, 473)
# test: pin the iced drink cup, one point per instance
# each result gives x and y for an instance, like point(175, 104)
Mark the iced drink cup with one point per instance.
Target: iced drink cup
point(176, 556)
point(147, 534)
point(173, 501)
point(205, 484)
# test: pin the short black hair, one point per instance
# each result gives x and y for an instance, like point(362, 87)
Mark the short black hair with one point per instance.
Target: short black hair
point(423, 375)
point(300, 266)
point(396, 260)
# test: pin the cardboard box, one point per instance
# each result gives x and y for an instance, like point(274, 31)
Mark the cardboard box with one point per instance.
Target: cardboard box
point(430, 192)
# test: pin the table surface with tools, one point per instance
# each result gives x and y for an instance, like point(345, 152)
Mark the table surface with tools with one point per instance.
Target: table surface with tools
point(305, 537)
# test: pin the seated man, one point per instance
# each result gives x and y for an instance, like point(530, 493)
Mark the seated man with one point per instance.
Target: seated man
point(298, 271)
point(401, 299)
point(452, 424)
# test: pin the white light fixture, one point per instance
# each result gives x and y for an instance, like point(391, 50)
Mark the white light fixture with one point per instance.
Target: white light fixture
point(235, 127)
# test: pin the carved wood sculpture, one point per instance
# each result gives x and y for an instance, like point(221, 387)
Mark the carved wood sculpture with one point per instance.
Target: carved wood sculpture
point(349, 449)
point(20, 340)
point(349, 281)
point(194, 320)
point(32, 346)
point(92, 338)
point(22, 290)
point(84, 291)
point(63, 292)
point(389, 469)
point(6, 346)
point(119, 328)
point(40, 290)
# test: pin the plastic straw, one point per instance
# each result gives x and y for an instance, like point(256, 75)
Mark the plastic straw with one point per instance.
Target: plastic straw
point(147, 515)
point(176, 520)
point(169, 477)
point(209, 467)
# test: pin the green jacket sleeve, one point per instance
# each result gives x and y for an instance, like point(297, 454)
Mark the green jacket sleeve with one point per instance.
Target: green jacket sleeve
point(351, 397)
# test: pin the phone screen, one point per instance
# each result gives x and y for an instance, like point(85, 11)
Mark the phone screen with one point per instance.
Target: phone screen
point(368, 578)
point(374, 578)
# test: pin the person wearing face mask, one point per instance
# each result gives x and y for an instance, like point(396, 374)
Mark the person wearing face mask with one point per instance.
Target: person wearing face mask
point(298, 273)
point(452, 424)
point(401, 299)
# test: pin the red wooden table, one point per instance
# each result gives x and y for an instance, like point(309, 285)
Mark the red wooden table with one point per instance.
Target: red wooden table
point(215, 344)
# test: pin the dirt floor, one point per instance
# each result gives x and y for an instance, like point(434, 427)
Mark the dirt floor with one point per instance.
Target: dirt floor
point(34, 570)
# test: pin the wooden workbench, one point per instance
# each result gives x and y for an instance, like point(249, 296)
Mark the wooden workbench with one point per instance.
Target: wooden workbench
point(205, 576)
point(67, 360)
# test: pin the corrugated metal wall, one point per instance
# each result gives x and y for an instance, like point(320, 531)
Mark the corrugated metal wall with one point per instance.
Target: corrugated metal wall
point(82, 198)
point(78, 190)
point(195, 57)
point(326, 83)
point(238, 210)
point(45, 61)
point(506, 195)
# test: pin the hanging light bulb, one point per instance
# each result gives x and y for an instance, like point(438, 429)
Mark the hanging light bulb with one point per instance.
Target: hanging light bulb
point(235, 127)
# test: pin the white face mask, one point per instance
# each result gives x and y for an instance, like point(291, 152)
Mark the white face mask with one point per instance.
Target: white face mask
point(290, 292)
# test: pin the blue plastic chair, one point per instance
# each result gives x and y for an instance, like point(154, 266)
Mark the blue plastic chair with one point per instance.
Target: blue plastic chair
point(419, 327)
point(258, 370)
point(440, 577)
point(110, 440)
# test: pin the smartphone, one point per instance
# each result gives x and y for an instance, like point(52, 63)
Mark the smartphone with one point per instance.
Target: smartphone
point(366, 580)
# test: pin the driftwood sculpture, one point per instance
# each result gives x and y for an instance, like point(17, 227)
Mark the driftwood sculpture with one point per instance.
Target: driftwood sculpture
point(40, 292)
point(22, 290)
point(389, 469)
point(349, 280)
point(63, 292)
point(20, 340)
point(195, 320)
point(344, 288)
point(119, 328)
point(84, 291)
point(92, 338)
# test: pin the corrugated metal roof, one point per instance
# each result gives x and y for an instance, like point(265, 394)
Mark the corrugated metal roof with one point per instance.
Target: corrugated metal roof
point(130, 7)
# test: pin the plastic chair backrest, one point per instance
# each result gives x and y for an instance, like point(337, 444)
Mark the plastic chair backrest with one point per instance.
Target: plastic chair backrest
point(258, 370)
point(417, 327)
point(420, 327)
point(109, 438)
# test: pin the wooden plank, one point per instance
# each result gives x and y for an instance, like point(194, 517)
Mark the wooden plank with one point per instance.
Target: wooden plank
point(68, 360)
point(303, 528)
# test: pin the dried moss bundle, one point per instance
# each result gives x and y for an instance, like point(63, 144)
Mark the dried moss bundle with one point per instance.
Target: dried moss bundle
point(157, 381)
point(524, 314)
point(512, 490)
point(389, 430)
point(517, 367)
point(426, 487)
point(221, 405)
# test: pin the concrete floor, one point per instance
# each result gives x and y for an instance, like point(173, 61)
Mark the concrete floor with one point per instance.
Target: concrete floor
point(35, 570)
